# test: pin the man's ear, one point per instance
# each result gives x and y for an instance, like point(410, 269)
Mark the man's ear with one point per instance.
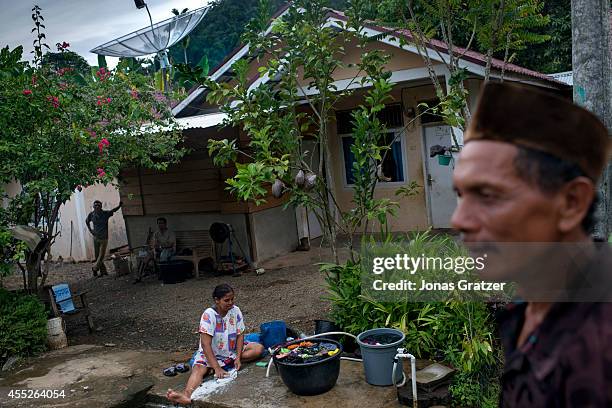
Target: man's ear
point(576, 197)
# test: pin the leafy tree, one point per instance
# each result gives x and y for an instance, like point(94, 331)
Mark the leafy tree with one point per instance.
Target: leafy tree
point(61, 131)
point(220, 30)
point(495, 25)
point(554, 55)
point(66, 59)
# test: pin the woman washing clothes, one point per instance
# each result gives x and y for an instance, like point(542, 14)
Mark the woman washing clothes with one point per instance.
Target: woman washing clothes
point(222, 343)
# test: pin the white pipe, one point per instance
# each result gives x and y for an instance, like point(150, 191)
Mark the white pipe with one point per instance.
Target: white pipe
point(403, 353)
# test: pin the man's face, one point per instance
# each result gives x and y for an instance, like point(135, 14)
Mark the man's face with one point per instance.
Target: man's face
point(161, 225)
point(495, 205)
point(97, 206)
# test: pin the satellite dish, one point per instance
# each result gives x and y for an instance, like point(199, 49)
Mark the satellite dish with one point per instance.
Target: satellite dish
point(155, 39)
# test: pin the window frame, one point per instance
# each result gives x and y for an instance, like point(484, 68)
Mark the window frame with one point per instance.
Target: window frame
point(379, 184)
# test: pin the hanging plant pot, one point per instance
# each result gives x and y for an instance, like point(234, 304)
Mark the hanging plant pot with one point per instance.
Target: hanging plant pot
point(444, 160)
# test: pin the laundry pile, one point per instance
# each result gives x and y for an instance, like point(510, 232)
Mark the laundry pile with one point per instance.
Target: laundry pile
point(305, 352)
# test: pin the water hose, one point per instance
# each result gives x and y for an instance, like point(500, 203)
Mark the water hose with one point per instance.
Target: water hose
point(307, 338)
point(403, 353)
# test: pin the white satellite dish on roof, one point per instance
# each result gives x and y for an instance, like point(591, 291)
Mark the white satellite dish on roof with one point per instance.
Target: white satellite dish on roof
point(155, 39)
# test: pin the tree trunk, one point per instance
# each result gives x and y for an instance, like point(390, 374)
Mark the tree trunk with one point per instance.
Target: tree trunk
point(593, 83)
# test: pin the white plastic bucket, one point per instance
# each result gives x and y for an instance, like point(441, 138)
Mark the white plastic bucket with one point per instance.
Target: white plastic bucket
point(55, 326)
point(56, 337)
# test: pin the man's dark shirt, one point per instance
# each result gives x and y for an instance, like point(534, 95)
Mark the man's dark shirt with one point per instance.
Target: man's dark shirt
point(100, 223)
point(567, 360)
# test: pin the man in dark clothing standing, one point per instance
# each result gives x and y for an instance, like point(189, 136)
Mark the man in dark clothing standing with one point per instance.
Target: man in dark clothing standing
point(528, 174)
point(99, 218)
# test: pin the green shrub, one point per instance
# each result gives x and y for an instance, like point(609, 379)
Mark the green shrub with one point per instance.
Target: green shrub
point(457, 332)
point(23, 324)
point(466, 392)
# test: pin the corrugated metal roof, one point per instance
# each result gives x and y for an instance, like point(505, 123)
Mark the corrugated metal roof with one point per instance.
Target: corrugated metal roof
point(566, 77)
point(202, 121)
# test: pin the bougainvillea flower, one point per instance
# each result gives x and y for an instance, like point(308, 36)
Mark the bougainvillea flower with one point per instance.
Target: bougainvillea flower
point(63, 71)
point(102, 144)
point(101, 172)
point(103, 74)
point(27, 92)
point(134, 94)
point(54, 101)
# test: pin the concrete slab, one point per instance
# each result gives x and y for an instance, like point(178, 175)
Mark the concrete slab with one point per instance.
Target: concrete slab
point(88, 376)
point(253, 390)
point(96, 376)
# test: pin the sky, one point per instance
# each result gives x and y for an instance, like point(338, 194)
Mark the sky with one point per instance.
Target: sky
point(84, 24)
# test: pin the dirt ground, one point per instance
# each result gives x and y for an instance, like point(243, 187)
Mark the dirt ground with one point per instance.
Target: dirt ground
point(154, 316)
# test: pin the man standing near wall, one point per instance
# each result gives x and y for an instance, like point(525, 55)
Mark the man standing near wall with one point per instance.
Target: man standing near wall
point(528, 175)
point(99, 218)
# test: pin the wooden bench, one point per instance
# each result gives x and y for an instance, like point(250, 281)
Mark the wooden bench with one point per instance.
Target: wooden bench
point(58, 305)
point(199, 243)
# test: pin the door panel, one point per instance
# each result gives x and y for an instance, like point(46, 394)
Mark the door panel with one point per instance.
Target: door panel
point(442, 197)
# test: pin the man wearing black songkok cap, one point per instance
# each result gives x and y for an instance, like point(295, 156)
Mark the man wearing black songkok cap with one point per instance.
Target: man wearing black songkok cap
point(528, 174)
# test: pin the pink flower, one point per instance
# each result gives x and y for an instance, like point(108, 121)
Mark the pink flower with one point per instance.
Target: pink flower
point(63, 86)
point(91, 133)
point(54, 100)
point(103, 101)
point(63, 71)
point(103, 74)
point(159, 97)
point(134, 94)
point(102, 144)
point(27, 92)
point(101, 173)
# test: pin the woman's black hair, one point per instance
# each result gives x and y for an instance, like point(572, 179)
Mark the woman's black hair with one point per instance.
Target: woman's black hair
point(221, 290)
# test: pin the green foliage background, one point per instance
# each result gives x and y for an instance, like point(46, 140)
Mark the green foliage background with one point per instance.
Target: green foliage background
point(455, 332)
point(220, 31)
point(23, 324)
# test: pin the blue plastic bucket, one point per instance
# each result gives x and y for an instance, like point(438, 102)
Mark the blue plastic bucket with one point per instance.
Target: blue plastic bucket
point(253, 338)
point(273, 333)
point(378, 359)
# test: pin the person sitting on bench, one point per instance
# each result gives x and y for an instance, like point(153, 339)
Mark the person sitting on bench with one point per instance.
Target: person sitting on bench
point(164, 241)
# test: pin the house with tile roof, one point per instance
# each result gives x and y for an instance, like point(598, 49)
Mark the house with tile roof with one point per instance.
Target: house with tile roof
point(193, 193)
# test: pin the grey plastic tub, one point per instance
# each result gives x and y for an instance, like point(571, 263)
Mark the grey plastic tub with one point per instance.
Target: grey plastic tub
point(378, 360)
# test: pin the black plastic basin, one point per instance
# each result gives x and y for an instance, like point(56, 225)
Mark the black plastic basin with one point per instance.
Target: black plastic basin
point(311, 378)
point(326, 326)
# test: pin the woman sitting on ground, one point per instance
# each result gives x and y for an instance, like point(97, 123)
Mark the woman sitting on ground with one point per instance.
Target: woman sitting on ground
point(221, 343)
